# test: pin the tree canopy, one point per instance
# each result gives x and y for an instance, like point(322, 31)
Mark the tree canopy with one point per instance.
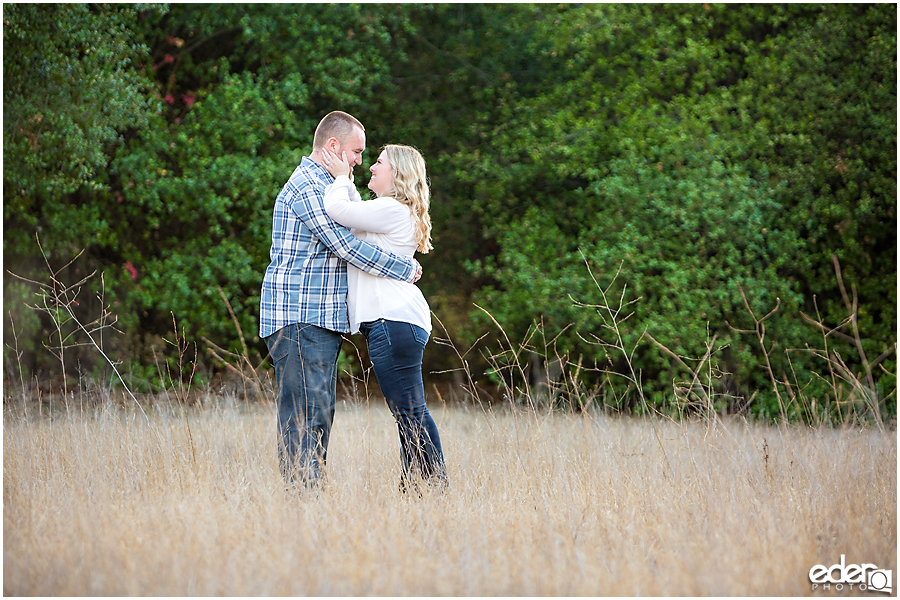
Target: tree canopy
point(715, 162)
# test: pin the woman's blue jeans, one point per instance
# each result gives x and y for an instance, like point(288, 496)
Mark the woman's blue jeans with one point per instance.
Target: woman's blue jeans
point(396, 350)
point(305, 358)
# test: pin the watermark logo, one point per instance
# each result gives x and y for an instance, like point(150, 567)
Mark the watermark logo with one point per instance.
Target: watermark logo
point(860, 577)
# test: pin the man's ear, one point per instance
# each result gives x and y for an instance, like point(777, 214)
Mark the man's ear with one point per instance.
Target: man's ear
point(332, 144)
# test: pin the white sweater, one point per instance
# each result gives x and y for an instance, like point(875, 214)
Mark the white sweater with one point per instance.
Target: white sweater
point(387, 223)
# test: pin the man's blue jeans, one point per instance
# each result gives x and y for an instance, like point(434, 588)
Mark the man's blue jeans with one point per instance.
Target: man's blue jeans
point(396, 350)
point(305, 358)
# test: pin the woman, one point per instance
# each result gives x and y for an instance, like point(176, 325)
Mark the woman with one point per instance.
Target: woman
point(393, 315)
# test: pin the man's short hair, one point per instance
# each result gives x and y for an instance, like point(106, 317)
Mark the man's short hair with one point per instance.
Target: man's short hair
point(336, 124)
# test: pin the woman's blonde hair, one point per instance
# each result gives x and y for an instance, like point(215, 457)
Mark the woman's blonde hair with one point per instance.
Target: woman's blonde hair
point(410, 187)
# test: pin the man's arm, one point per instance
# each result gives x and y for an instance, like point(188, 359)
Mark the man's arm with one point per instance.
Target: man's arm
point(307, 204)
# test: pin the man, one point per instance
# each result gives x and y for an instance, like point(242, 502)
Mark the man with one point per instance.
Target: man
point(303, 305)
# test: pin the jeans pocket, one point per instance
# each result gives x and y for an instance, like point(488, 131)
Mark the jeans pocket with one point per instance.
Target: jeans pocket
point(420, 335)
point(279, 343)
point(378, 339)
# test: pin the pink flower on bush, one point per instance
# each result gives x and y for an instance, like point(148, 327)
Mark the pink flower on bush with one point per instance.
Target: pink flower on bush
point(168, 58)
point(131, 270)
point(169, 98)
point(188, 99)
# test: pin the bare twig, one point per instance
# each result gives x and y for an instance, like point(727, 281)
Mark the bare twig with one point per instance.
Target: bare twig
point(861, 385)
point(852, 307)
point(472, 387)
point(182, 393)
point(613, 324)
point(58, 301)
point(825, 330)
point(514, 363)
point(17, 353)
point(706, 395)
point(760, 331)
point(242, 359)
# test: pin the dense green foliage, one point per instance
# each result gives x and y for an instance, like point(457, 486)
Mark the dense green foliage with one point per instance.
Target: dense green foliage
point(704, 150)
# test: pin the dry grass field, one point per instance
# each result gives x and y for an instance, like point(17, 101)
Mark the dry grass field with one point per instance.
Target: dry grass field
point(108, 502)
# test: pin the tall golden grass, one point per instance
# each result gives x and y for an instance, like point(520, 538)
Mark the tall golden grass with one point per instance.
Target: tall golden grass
point(109, 501)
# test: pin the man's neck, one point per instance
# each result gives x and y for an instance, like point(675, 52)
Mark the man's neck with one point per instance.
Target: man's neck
point(316, 157)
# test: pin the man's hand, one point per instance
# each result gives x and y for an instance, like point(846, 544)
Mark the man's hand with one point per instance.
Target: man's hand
point(418, 271)
point(335, 165)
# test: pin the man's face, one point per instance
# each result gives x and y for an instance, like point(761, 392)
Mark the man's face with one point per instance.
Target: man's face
point(354, 146)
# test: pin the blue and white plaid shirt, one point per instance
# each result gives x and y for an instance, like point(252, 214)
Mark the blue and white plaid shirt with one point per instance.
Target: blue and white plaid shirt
point(306, 281)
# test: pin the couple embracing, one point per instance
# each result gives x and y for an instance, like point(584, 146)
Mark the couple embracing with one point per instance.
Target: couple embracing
point(341, 265)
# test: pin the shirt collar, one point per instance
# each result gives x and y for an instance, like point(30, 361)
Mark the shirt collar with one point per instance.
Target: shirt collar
point(316, 168)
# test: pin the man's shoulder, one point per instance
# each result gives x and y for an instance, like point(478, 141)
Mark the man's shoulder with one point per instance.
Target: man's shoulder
point(305, 172)
point(307, 175)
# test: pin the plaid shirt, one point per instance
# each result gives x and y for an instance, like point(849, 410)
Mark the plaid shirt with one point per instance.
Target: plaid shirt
point(306, 282)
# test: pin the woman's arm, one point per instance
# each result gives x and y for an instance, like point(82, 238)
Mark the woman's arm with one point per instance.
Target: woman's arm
point(382, 215)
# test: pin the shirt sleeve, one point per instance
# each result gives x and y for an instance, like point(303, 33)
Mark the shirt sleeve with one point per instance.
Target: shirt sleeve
point(308, 204)
point(383, 215)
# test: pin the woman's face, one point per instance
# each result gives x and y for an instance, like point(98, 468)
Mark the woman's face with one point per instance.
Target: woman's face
point(380, 183)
